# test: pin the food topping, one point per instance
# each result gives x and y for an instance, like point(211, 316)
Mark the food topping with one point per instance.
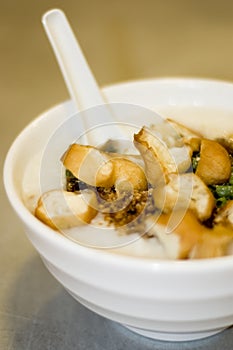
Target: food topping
point(185, 191)
point(214, 166)
point(61, 209)
point(103, 169)
point(178, 190)
point(163, 152)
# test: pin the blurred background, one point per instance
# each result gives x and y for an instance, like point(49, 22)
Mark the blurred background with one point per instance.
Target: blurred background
point(122, 40)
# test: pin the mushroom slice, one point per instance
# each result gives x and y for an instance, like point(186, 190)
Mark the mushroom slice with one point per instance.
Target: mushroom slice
point(162, 150)
point(61, 209)
point(227, 142)
point(213, 243)
point(88, 164)
point(128, 174)
point(214, 166)
point(103, 169)
point(225, 215)
point(179, 243)
point(185, 191)
point(189, 137)
point(190, 239)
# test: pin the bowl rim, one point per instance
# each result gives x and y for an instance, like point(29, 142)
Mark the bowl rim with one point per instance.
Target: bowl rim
point(104, 254)
point(175, 80)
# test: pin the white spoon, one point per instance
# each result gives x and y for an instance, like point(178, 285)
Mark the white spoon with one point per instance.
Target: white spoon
point(78, 77)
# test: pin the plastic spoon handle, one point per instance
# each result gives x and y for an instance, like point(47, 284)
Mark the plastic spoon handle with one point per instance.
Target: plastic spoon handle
point(78, 77)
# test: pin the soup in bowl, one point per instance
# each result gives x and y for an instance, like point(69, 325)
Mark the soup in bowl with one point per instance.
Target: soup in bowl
point(128, 278)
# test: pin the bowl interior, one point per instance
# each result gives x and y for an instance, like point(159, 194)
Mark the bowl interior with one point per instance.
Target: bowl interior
point(204, 105)
point(193, 298)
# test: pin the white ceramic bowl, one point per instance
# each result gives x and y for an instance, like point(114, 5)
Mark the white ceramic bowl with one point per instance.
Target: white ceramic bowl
point(172, 300)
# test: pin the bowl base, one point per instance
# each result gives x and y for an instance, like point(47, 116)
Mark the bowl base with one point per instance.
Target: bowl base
point(174, 337)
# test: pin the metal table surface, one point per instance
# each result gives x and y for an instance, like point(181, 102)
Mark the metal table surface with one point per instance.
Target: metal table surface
point(124, 39)
point(37, 313)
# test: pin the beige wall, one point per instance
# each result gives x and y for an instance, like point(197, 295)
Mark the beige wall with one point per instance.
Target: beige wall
point(122, 39)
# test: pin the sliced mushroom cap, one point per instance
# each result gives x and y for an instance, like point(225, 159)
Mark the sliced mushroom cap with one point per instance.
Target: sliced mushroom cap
point(227, 142)
point(189, 137)
point(61, 209)
point(163, 153)
point(126, 173)
point(225, 215)
point(213, 243)
point(190, 239)
point(103, 169)
point(214, 166)
point(88, 164)
point(178, 243)
point(185, 191)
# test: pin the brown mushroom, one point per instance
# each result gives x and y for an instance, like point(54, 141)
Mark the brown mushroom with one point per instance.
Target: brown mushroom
point(162, 153)
point(224, 215)
point(98, 168)
point(179, 242)
point(189, 137)
point(226, 142)
point(189, 238)
point(61, 209)
point(213, 243)
point(214, 166)
point(185, 191)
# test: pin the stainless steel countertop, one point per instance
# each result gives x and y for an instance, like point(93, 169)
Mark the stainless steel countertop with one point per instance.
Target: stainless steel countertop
point(122, 40)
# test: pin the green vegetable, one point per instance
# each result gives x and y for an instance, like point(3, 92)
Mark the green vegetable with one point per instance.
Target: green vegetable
point(72, 183)
point(220, 202)
point(231, 177)
point(224, 191)
point(195, 160)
